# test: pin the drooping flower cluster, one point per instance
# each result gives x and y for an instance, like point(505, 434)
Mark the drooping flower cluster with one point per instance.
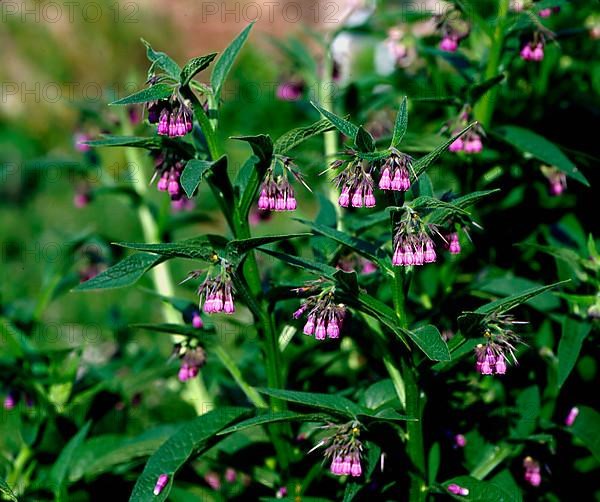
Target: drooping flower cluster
point(344, 448)
point(325, 317)
point(557, 180)
point(356, 183)
point(533, 50)
point(168, 167)
point(453, 29)
point(499, 348)
point(395, 173)
point(412, 242)
point(532, 471)
point(276, 192)
point(173, 116)
point(470, 142)
point(192, 357)
point(216, 291)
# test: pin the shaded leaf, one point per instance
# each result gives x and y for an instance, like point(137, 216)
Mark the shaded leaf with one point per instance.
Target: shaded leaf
point(6, 491)
point(505, 304)
point(270, 417)
point(476, 91)
point(364, 141)
point(481, 491)
point(57, 477)
point(194, 171)
point(430, 341)
point(295, 137)
point(192, 439)
point(401, 123)
point(124, 273)
point(198, 248)
point(153, 93)
point(539, 147)
point(225, 61)
point(163, 61)
point(574, 333)
point(587, 428)
point(303, 263)
point(329, 402)
point(345, 127)
point(195, 66)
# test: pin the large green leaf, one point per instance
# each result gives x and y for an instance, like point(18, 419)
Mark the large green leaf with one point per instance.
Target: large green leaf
point(345, 127)
point(225, 61)
point(362, 247)
point(269, 417)
point(194, 170)
point(574, 333)
point(198, 248)
point(152, 142)
point(312, 266)
point(329, 402)
point(205, 334)
point(505, 304)
point(195, 66)
point(262, 146)
point(192, 439)
point(587, 428)
point(239, 247)
point(421, 165)
point(482, 491)
point(102, 454)
point(152, 93)
point(58, 476)
point(364, 142)
point(6, 492)
point(531, 143)
point(124, 273)
point(430, 341)
point(163, 61)
point(401, 123)
point(293, 138)
point(438, 216)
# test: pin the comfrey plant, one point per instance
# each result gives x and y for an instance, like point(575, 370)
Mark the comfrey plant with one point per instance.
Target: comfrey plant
point(372, 312)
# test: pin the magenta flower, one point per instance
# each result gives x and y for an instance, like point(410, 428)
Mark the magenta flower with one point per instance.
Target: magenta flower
point(532, 51)
point(492, 358)
point(197, 320)
point(395, 172)
point(449, 43)
point(412, 244)
point(454, 243)
point(276, 192)
point(216, 292)
point(356, 184)
point(532, 472)
point(161, 482)
point(344, 448)
point(325, 317)
point(570, 420)
point(290, 90)
point(460, 441)
point(457, 490)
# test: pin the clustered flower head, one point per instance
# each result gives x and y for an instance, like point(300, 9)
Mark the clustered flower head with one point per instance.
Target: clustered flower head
point(173, 116)
point(168, 167)
point(355, 182)
point(395, 173)
point(532, 471)
point(557, 180)
point(325, 317)
point(276, 192)
point(290, 90)
point(453, 30)
point(192, 358)
point(344, 448)
point(412, 242)
point(216, 291)
point(533, 51)
point(499, 347)
point(457, 490)
point(470, 142)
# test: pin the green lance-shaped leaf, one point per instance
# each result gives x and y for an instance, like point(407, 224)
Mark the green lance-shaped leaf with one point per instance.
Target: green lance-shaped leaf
point(236, 249)
point(198, 248)
point(401, 123)
point(6, 492)
point(574, 333)
point(360, 246)
point(206, 334)
point(195, 66)
point(153, 93)
point(58, 477)
point(426, 202)
point(481, 491)
point(430, 341)
point(293, 138)
point(539, 147)
point(124, 273)
point(163, 61)
point(345, 127)
point(330, 402)
point(225, 61)
point(195, 170)
point(311, 266)
point(505, 304)
point(192, 439)
point(421, 165)
point(151, 143)
point(364, 142)
point(270, 417)
point(587, 428)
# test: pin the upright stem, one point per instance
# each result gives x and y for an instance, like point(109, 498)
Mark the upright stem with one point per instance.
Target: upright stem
point(484, 109)
point(195, 392)
point(413, 399)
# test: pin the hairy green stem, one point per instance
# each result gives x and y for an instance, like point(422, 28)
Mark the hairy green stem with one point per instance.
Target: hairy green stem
point(484, 109)
point(254, 397)
point(414, 402)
